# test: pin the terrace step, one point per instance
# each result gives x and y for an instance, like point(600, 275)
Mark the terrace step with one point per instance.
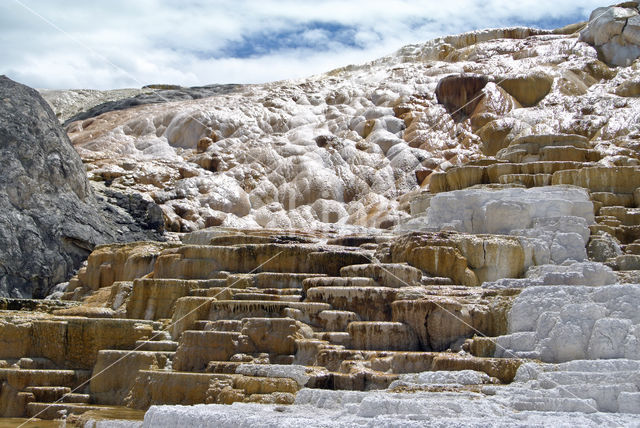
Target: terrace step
point(50, 411)
point(20, 379)
point(160, 335)
point(334, 337)
point(267, 297)
point(77, 398)
point(158, 345)
point(48, 394)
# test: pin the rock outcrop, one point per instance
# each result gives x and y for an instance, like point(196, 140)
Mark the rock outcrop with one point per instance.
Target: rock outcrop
point(68, 103)
point(553, 221)
point(460, 95)
point(615, 32)
point(528, 89)
point(252, 316)
point(50, 219)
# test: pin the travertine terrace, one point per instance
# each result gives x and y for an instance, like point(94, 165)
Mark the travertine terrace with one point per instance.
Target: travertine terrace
point(448, 235)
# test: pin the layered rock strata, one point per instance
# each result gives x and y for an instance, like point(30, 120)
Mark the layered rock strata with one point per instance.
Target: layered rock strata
point(243, 321)
point(278, 327)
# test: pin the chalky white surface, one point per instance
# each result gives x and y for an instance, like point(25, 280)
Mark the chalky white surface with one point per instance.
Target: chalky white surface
point(507, 211)
point(553, 221)
point(576, 273)
point(563, 323)
point(295, 372)
point(321, 408)
point(462, 377)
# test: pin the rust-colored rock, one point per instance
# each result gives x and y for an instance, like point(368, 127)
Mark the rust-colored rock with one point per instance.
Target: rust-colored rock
point(461, 94)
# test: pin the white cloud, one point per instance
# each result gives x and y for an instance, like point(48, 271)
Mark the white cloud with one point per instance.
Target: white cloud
point(132, 43)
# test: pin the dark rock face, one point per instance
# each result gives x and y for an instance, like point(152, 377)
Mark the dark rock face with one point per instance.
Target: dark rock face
point(460, 94)
point(147, 214)
point(161, 96)
point(49, 217)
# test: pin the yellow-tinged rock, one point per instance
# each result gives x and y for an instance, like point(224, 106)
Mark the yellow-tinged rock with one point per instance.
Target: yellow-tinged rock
point(574, 84)
point(71, 342)
point(115, 373)
point(384, 336)
point(629, 88)
point(166, 387)
point(528, 89)
point(197, 348)
point(496, 101)
point(601, 179)
point(120, 262)
point(494, 135)
point(435, 254)
point(152, 299)
point(503, 369)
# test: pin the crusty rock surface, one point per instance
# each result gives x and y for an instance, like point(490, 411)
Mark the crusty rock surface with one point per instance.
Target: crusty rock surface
point(615, 32)
point(68, 103)
point(346, 147)
point(50, 219)
point(553, 221)
point(564, 323)
point(569, 273)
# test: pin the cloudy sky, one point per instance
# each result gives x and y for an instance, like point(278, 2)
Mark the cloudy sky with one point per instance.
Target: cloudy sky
point(130, 43)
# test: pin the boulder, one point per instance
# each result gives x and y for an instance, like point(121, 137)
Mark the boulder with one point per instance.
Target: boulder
point(615, 33)
point(50, 219)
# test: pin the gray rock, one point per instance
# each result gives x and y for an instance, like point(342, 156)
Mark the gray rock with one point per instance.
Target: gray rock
point(70, 102)
point(50, 218)
point(603, 247)
point(615, 33)
point(161, 96)
point(146, 213)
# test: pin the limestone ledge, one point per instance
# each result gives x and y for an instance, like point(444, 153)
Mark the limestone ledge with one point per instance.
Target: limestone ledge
point(71, 342)
point(358, 313)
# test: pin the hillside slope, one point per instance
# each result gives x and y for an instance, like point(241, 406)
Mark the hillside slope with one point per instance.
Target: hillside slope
point(343, 148)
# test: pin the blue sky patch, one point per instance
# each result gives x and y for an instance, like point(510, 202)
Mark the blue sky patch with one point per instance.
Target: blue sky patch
point(197, 42)
point(552, 23)
point(314, 36)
